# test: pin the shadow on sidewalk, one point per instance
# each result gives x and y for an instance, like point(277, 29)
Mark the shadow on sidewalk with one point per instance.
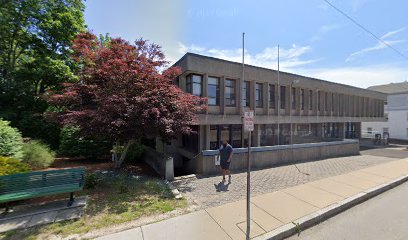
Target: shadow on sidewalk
point(221, 186)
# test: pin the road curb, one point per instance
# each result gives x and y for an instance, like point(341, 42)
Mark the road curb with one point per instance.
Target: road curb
point(321, 215)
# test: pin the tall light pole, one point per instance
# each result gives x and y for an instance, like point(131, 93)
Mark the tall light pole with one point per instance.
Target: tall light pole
point(279, 100)
point(290, 107)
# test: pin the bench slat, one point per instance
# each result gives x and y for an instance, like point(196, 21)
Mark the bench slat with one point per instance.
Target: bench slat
point(35, 184)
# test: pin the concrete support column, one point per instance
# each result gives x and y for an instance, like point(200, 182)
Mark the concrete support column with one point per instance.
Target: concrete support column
point(288, 102)
point(201, 138)
point(238, 96)
point(277, 107)
point(182, 82)
point(257, 135)
point(205, 85)
point(265, 98)
point(297, 101)
point(252, 95)
point(207, 137)
point(342, 130)
point(319, 130)
point(222, 95)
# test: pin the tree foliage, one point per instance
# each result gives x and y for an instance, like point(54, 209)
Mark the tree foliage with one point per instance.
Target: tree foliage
point(123, 93)
point(35, 40)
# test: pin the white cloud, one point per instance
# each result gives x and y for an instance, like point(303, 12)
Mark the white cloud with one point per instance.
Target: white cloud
point(323, 30)
point(380, 45)
point(289, 57)
point(357, 4)
point(359, 76)
point(330, 27)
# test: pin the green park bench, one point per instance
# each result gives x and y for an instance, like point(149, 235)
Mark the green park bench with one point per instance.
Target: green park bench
point(37, 184)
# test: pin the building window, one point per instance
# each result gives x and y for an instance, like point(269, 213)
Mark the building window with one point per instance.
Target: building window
point(310, 102)
point(194, 84)
point(214, 140)
point(246, 94)
point(282, 97)
point(293, 98)
point(230, 92)
point(369, 130)
point(271, 96)
point(190, 141)
point(302, 99)
point(326, 101)
point(213, 91)
point(407, 132)
point(236, 136)
point(386, 130)
point(318, 101)
point(232, 133)
point(258, 95)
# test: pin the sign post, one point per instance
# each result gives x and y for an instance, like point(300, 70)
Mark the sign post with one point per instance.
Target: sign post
point(249, 127)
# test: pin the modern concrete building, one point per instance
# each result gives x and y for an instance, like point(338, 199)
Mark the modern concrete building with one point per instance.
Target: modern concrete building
point(320, 111)
point(396, 112)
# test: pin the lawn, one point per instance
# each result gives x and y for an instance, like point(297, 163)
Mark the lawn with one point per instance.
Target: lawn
point(112, 199)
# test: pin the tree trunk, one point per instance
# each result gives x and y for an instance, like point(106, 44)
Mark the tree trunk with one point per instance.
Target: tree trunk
point(118, 162)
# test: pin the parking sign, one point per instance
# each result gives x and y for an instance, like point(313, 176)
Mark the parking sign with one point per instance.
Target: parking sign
point(249, 120)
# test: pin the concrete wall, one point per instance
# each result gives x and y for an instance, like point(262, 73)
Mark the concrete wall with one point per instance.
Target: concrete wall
point(264, 157)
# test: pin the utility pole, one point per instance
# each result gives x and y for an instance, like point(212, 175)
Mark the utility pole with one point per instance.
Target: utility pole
point(248, 203)
point(279, 100)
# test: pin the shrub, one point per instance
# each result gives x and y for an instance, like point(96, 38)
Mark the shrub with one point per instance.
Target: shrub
point(11, 142)
point(38, 155)
point(12, 166)
point(135, 152)
point(36, 127)
point(91, 180)
point(73, 145)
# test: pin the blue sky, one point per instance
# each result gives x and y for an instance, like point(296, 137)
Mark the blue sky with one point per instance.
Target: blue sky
point(315, 40)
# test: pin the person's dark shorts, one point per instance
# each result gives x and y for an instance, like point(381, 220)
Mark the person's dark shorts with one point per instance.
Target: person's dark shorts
point(225, 165)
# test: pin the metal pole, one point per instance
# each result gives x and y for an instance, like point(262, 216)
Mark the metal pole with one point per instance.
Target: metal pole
point(248, 203)
point(242, 76)
point(248, 220)
point(279, 93)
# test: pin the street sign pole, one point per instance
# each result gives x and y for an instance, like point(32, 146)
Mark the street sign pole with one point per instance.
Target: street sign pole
point(249, 127)
point(249, 187)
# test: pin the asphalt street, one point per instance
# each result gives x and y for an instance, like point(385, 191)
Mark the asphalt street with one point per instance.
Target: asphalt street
point(384, 217)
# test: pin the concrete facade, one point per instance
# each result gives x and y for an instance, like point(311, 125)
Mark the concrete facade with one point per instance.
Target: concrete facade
point(272, 156)
point(318, 110)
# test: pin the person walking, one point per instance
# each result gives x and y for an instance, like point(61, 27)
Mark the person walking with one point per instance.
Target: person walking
point(225, 159)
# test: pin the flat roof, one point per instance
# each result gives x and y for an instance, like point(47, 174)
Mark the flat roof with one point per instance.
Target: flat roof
point(391, 88)
point(268, 69)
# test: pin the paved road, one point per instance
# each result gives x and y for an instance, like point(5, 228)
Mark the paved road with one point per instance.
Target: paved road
point(209, 192)
point(383, 217)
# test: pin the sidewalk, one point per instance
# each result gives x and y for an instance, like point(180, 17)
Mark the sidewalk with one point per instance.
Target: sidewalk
point(273, 215)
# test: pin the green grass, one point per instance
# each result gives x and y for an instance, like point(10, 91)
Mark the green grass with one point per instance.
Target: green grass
point(114, 200)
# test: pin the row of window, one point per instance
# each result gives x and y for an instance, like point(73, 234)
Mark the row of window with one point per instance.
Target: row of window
point(195, 83)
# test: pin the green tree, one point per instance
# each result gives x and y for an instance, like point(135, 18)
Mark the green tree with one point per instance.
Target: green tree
point(35, 41)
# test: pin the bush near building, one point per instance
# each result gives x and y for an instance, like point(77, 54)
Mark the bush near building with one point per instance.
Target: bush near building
point(11, 142)
point(72, 144)
point(12, 166)
point(38, 155)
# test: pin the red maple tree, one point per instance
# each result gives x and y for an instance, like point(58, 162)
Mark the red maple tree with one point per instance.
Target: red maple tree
point(124, 93)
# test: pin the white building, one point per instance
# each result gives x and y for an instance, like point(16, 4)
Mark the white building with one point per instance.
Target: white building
point(396, 109)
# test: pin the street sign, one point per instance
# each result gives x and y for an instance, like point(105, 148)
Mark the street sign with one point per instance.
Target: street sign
point(249, 121)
